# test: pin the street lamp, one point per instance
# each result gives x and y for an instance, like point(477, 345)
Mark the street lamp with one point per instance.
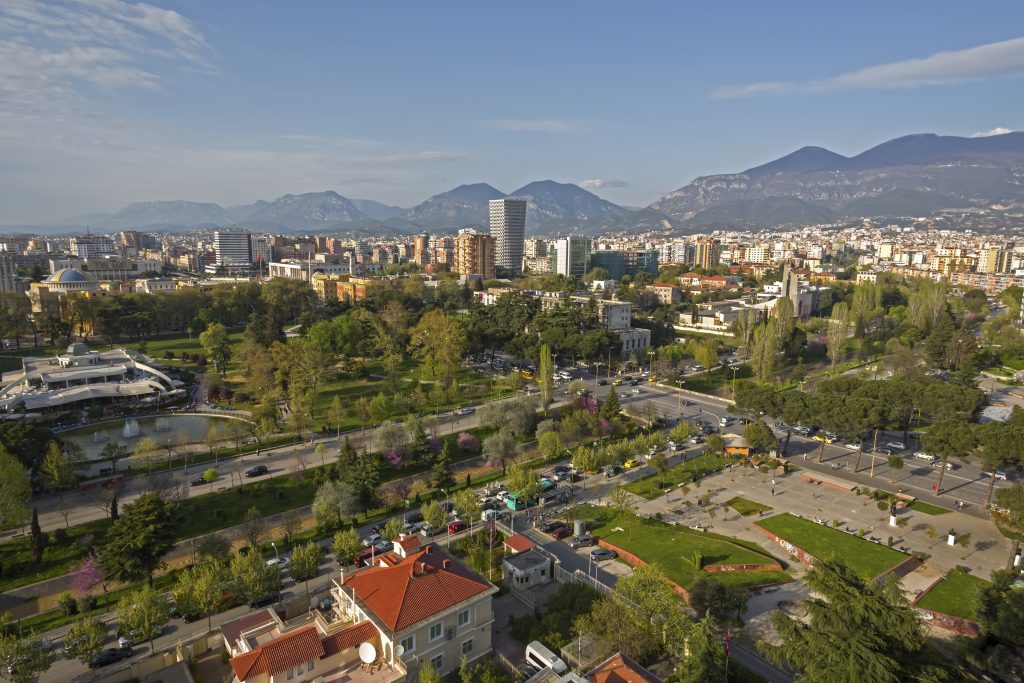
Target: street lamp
point(448, 527)
point(276, 555)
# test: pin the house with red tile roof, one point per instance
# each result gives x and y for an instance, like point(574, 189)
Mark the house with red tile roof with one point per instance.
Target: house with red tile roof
point(621, 669)
point(426, 607)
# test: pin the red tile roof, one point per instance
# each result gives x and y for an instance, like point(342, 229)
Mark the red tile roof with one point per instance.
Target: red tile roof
point(420, 586)
point(518, 543)
point(621, 669)
point(233, 629)
point(410, 543)
point(280, 654)
point(352, 636)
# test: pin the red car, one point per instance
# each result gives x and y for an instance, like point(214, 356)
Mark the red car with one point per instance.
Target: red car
point(456, 526)
point(561, 532)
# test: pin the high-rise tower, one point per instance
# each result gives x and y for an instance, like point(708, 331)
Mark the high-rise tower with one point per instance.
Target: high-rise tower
point(508, 225)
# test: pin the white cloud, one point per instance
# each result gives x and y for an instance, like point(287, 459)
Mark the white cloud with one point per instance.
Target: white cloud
point(534, 126)
point(598, 183)
point(999, 130)
point(1004, 59)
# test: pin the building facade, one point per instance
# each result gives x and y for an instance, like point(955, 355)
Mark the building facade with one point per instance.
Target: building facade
point(233, 248)
point(508, 226)
point(709, 252)
point(572, 256)
point(474, 254)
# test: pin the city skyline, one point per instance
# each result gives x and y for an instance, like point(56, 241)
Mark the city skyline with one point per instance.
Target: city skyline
point(111, 103)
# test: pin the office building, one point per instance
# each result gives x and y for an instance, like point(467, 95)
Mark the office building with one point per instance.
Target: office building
point(620, 263)
point(708, 252)
point(508, 226)
point(474, 254)
point(233, 248)
point(572, 256)
point(91, 245)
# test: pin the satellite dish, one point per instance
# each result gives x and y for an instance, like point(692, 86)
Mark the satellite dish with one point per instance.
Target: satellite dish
point(367, 653)
point(399, 650)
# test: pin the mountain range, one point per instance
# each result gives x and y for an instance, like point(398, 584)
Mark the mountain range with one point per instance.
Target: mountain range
point(915, 175)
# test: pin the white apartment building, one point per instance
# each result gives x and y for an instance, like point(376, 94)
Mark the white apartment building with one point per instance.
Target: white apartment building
point(508, 225)
point(233, 247)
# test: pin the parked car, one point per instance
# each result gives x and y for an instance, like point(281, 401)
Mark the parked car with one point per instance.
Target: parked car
point(612, 470)
point(257, 471)
point(501, 495)
point(427, 531)
point(1001, 475)
point(127, 640)
point(896, 445)
point(197, 481)
point(686, 402)
point(411, 528)
point(490, 515)
point(110, 656)
point(456, 526)
point(631, 463)
point(525, 672)
point(853, 445)
point(561, 532)
point(602, 382)
point(549, 526)
point(884, 451)
point(414, 518)
point(372, 539)
point(464, 411)
point(950, 466)
point(824, 438)
point(559, 469)
point(383, 546)
point(280, 562)
point(697, 438)
point(564, 476)
point(600, 554)
point(447, 506)
point(581, 541)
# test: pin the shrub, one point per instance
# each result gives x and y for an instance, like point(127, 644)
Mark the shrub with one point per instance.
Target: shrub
point(60, 536)
point(200, 361)
point(169, 355)
point(468, 442)
point(882, 505)
point(86, 603)
point(67, 604)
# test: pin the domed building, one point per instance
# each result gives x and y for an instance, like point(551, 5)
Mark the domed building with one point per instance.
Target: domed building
point(48, 296)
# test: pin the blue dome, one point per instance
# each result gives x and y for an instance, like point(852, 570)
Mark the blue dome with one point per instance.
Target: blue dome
point(69, 275)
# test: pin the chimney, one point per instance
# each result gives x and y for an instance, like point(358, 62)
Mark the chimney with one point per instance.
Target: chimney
point(445, 563)
point(428, 548)
point(421, 568)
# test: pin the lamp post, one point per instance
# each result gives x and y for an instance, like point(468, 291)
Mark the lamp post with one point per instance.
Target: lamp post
point(276, 555)
point(448, 527)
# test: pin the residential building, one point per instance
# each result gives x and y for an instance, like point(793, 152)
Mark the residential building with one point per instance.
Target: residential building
point(9, 274)
point(867, 276)
point(620, 263)
point(436, 608)
point(474, 254)
point(666, 293)
point(572, 256)
point(508, 225)
point(527, 569)
point(708, 252)
point(621, 669)
point(154, 285)
point(108, 267)
point(421, 249)
point(535, 248)
point(233, 248)
point(90, 246)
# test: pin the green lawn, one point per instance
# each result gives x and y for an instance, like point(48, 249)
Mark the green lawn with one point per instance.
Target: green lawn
point(653, 485)
point(747, 507)
point(673, 548)
point(712, 382)
point(928, 508)
point(954, 595)
point(867, 559)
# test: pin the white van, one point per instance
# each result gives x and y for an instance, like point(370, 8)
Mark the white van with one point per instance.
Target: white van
point(539, 656)
point(921, 455)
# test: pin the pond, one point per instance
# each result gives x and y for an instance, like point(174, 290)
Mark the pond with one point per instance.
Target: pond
point(180, 430)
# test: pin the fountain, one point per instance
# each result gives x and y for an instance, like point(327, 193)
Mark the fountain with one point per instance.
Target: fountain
point(131, 429)
point(100, 437)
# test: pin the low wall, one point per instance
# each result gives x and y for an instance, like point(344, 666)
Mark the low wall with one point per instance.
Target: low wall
point(902, 569)
point(814, 478)
point(799, 553)
point(773, 567)
point(637, 562)
point(948, 622)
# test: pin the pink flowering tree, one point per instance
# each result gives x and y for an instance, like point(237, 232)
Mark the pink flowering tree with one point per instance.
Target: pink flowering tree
point(87, 575)
point(394, 459)
point(468, 442)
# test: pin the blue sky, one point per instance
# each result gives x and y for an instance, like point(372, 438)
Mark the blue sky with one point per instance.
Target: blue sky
point(104, 102)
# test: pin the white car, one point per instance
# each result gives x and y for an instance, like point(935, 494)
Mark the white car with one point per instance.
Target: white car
point(463, 411)
point(280, 562)
point(1000, 475)
point(896, 446)
point(637, 391)
point(372, 539)
point(501, 495)
point(853, 445)
point(921, 455)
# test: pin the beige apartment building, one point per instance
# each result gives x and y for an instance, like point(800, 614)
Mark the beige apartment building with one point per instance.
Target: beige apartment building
point(474, 255)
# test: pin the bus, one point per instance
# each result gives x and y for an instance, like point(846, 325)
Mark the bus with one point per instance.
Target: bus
point(546, 485)
point(515, 501)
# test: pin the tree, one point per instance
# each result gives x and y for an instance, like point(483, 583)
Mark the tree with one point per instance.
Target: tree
point(610, 406)
point(147, 451)
point(709, 595)
point(114, 452)
point(346, 546)
point(216, 345)
point(523, 481)
point(137, 541)
point(584, 459)
point(85, 639)
point(379, 407)
point(428, 674)
point(704, 660)
point(714, 446)
point(22, 659)
point(252, 577)
point(198, 589)
point(334, 503)
point(468, 506)
point(434, 515)
point(37, 540)
point(442, 469)
point(550, 445)
point(438, 341)
point(57, 470)
point(659, 461)
point(682, 432)
point(838, 331)
point(705, 352)
point(362, 406)
point(895, 464)
point(213, 548)
point(760, 437)
point(765, 350)
point(291, 524)
point(305, 563)
point(143, 613)
point(393, 528)
point(545, 375)
point(500, 446)
point(390, 437)
point(254, 527)
point(857, 630)
point(15, 490)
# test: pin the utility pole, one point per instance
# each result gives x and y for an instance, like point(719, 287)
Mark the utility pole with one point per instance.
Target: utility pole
point(874, 452)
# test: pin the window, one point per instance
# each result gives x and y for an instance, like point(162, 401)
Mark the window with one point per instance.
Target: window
point(437, 662)
point(291, 674)
point(463, 618)
point(409, 644)
point(310, 665)
point(436, 631)
point(467, 646)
